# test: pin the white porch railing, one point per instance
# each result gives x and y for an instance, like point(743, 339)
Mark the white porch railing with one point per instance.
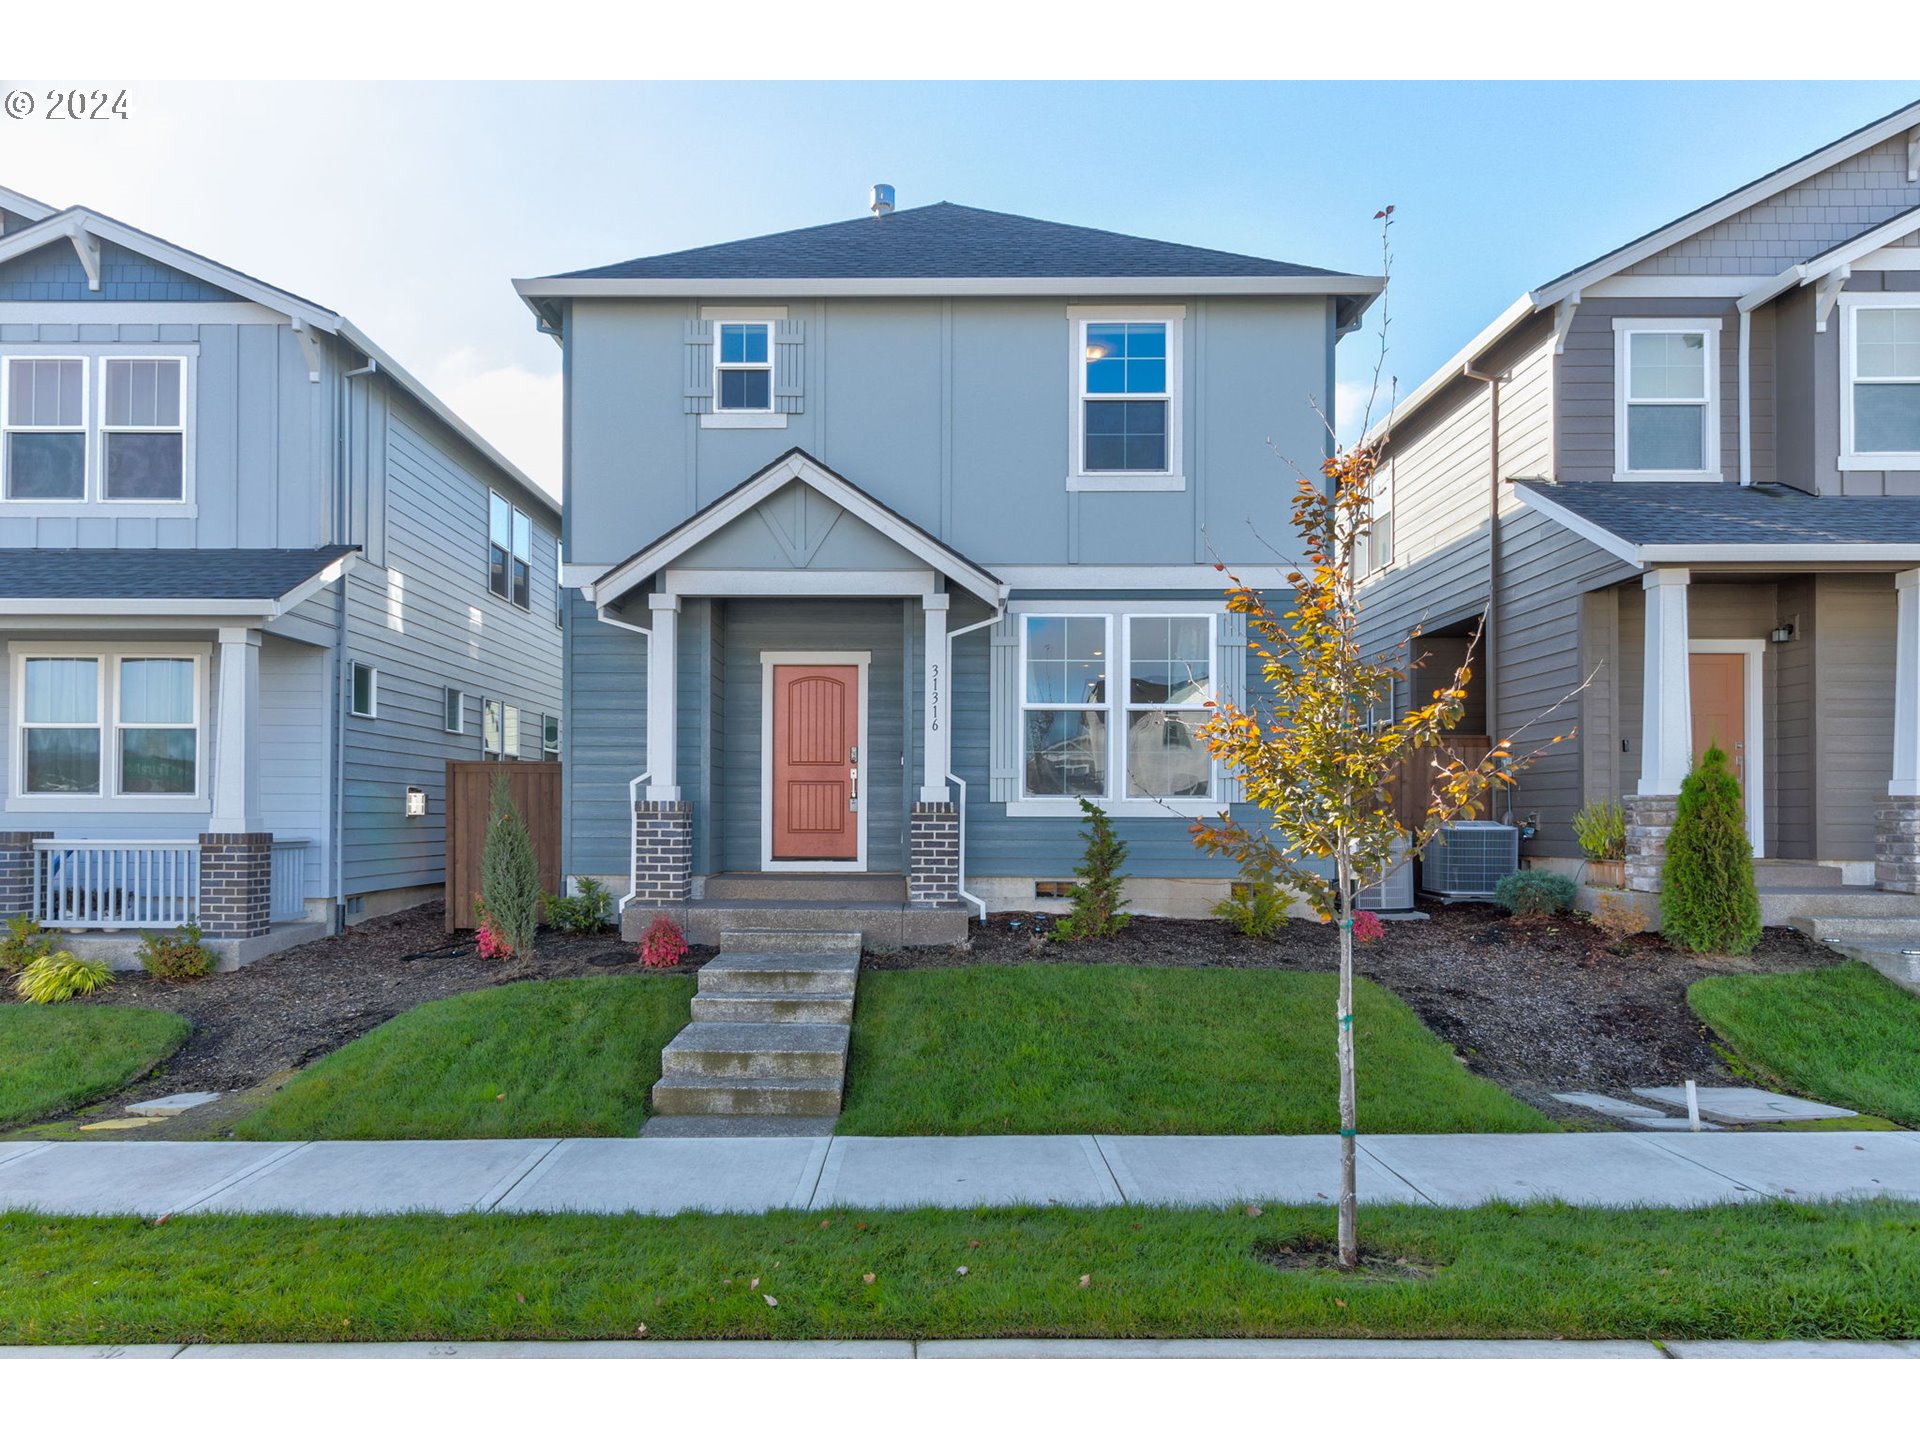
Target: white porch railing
point(289, 895)
point(116, 884)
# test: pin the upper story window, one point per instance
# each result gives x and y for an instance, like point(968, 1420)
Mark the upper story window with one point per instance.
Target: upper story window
point(105, 428)
point(743, 366)
point(1666, 389)
point(509, 552)
point(1880, 391)
point(1126, 422)
point(117, 724)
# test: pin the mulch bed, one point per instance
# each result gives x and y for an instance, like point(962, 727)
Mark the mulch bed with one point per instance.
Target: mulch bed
point(1533, 1005)
point(289, 1009)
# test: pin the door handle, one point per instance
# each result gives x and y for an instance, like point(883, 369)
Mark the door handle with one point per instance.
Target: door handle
point(853, 787)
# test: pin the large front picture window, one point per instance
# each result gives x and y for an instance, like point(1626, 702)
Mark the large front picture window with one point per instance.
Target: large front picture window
point(125, 725)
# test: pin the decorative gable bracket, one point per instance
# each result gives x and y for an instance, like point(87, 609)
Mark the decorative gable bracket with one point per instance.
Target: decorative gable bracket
point(87, 246)
point(1827, 295)
point(1913, 156)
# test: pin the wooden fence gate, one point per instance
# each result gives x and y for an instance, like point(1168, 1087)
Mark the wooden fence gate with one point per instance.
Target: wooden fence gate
point(535, 788)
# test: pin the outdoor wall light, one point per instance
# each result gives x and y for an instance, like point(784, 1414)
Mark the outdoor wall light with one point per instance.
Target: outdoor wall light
point(416, 802)
point(1780, 634)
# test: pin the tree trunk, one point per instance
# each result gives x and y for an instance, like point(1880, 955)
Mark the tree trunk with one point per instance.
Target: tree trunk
point(1349, 1199)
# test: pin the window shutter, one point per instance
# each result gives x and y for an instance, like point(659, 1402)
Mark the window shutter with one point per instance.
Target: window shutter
point(1003, 697)
point(789, 366)
point(1230, 661)
point(699, 391)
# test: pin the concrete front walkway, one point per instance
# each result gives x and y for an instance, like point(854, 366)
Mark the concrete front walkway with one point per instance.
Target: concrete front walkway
point(997, 1350)
point(666, 1176)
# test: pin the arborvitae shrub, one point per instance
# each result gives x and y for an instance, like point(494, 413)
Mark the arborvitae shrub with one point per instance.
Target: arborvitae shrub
point(510, 874)
point(1096, 913)
point(1707, 897)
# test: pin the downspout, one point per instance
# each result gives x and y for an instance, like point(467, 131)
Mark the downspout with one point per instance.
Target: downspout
point(633, 785)
point(342, 521)
point(968, 896)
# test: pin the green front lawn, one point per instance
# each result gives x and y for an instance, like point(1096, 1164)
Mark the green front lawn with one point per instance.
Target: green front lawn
point(54, 1057)
point(1129, 1050)
point(547, 1057)
point(1755, 1271)
point(1846, 1035)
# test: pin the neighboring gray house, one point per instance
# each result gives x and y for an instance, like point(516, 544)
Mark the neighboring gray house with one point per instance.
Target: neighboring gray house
point(257, 586)
point(1691, 470)
point(886, 525)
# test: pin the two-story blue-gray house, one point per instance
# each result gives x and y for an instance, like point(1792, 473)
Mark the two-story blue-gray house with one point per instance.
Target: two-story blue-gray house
point(257, 586)
point(889, 540)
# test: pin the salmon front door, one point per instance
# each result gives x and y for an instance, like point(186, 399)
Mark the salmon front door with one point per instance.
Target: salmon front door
point(1722, 686)
point(816, 764)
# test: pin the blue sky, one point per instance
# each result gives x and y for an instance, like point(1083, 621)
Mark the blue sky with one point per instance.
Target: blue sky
point(411, 206)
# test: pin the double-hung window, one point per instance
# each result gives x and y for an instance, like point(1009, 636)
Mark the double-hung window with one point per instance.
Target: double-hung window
point(45, 405)
point(1138, 741)
point(550, 737)
point(743, 366)
point(1880, 396)
point(143, 431)
point(109, 724)
point(453, 711)
point(1667, 412)
point(493, 724)
point(1126, 424)
point(509, 552)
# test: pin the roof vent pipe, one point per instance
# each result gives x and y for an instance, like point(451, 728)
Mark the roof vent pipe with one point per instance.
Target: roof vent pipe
point(880, 200)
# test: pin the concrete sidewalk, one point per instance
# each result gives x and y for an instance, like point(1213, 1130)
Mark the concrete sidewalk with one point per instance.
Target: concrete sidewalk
point(667, 1176)
point(998, 1350)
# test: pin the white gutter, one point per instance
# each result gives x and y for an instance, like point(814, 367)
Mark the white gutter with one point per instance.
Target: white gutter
point(556, 287)
point(952, 779)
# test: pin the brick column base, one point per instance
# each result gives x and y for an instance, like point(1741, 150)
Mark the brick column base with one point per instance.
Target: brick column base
point(662, 852)
point(1896, 844)
point(1649, 822)
point(16, 871)
point(236, 886)
point(933, 875)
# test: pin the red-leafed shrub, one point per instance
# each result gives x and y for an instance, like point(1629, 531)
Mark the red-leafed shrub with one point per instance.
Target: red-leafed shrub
point(663, 946)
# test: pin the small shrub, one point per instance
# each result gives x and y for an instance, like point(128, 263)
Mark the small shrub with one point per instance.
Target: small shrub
point(1600, 827)
point(24, 943)
point(1618, 918)
point(1256, 907)
point(61, 976)
point(663, 946)
point(1367, 927)
point(582, 914)
point(178, 956)
point(1096, 913)
point(510, 874)
point(1707, 897)
point(1535, 892)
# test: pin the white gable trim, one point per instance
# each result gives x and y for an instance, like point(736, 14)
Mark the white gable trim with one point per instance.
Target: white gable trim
point(26, 205)
point(1728, 206)
point(724, 512)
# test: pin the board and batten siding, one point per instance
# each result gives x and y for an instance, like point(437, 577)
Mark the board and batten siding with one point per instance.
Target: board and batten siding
point(425, 620)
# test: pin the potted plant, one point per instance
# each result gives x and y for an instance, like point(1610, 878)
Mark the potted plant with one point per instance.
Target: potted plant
point(1601, 828)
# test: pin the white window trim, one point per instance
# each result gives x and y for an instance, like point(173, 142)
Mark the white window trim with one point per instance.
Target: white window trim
point(1116, 802)
point(1711, 444)
point(769, 419)
point(110, 797)
point(447, 693)
point(486, 705)
point(8, 427)
point(1850, 303)
point(514, 515)
point(1079, 478)
point(93, 499)
point(372, 712)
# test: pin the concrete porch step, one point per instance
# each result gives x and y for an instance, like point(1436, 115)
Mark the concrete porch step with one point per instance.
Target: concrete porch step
point(784, 976)
point(1886, 953)
point(703, 1095)
point(779, 942)
point(775, 1009)
point(823, 886)
point(1796, 875)
point(719, 1050)
point(737, 1127)
point(1854, 902)
point(1904, 928)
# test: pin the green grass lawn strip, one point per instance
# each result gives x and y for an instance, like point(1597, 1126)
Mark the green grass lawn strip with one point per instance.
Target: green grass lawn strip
point(54, 1057)
point(1846, 1035)
point(1762, 1271)
point(1134, 1050)
point(542, 1058)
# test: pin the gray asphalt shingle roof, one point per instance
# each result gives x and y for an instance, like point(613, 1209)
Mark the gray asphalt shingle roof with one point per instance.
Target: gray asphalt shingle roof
point(160, 574)
point(1671, 513)
point(943, 241)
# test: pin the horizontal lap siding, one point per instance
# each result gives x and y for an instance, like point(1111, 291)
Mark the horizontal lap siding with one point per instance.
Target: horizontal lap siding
point(426, 620)
point(604, 740)
point(754, 626)
point(1796, 706)
point(1855, 672)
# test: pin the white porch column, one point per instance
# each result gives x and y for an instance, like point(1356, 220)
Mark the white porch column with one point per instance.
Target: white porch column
point(936, 745)
point(1906, 686)
point(236, 771)
point(663, 698)
point(1666, 715)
